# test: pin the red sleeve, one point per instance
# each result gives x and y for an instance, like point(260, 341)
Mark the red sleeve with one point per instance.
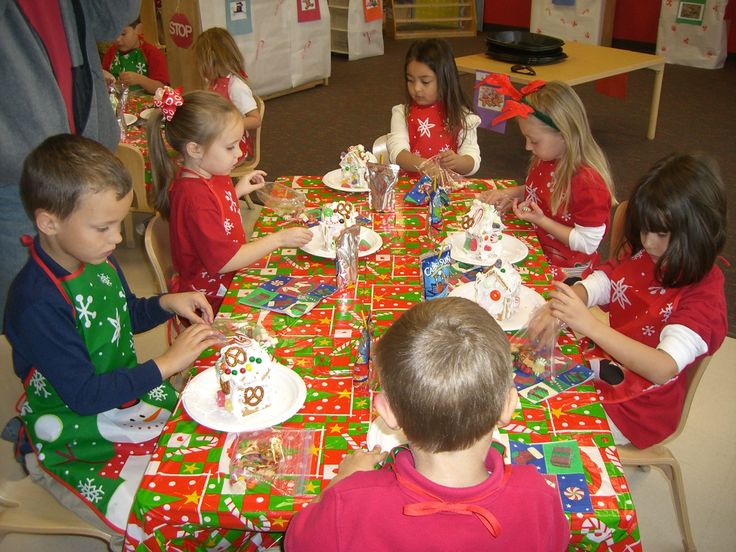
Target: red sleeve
point(702, 308)
point(205, 231)
point(590, 203)
point(108, 57)
point(158, 67)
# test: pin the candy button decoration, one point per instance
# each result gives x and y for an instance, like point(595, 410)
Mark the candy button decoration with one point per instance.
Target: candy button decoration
point(574, 493)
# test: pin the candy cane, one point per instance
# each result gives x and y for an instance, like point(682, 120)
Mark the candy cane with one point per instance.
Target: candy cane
point(518, 428)
point(612, 457)
point(210, 441)
point(259, 48)
point(351, 441)
point(233, 509)
point(370, 269)
point(295, 264)
point(342, 347)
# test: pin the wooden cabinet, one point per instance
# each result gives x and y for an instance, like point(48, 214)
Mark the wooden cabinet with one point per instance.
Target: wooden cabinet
point(350, 34)
point(430, 18)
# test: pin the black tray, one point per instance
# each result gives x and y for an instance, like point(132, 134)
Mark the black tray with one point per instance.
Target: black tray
point(526, 59)
point(524, 41)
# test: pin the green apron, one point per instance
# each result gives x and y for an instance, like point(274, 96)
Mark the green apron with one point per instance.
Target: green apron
point(99, 457)
point(133, 61)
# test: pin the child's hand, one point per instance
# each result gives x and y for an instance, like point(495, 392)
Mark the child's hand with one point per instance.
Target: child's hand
point(568, 307)
point(296, 236)
point(450, 160)
point(361, 460)
point(186, 348)
point(109, 78)
point(543, 329)
point(527, 210)
point(187, 304)
point(130, 78)
point(501, 199)
point(250, 182)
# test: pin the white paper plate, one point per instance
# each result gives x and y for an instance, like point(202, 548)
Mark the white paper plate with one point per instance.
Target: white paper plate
point(316, 246)
point(199, 400)
point(528, 301)
point(333, 179)
point(146, 113)
point(380, 434)
point(513, 250)
point(130, 118)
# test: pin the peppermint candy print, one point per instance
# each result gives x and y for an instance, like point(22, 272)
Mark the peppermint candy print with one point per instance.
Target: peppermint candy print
point(167, 100)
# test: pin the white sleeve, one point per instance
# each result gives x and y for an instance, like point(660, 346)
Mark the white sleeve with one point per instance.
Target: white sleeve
point(468, 140)
point(398, 139)
point(682, 344)
point(241, 95)
point(586, 238)
point(598, 286)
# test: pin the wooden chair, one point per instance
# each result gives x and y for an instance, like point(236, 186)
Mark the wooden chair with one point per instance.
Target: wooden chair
point(25, 507)
point(617, 230)
point(661, 456)
point(251, 162)
point(380, 149)
point(158, 249)
point(133, 160)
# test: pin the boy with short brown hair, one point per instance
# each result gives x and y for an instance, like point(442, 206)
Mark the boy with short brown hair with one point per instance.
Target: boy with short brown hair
point(445, 371)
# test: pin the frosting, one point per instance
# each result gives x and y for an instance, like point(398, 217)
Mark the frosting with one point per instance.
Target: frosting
point(244, 373)
point(483, 227)
point(353, 166)
point(497, 290)
point(336, 216)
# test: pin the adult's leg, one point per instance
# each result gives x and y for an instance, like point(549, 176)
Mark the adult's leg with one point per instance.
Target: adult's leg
point(13, 224)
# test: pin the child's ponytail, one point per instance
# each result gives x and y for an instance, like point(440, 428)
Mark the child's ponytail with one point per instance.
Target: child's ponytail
point(162, 166)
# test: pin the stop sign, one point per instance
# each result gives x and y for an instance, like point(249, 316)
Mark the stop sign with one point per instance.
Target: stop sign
point(181, 30)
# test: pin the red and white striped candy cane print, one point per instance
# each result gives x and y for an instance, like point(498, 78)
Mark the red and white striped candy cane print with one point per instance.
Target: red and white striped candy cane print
point(233, 509)
point(209, 440)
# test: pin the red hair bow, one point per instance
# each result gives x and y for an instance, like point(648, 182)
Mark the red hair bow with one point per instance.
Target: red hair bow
point(167, 100)
point(513, 107)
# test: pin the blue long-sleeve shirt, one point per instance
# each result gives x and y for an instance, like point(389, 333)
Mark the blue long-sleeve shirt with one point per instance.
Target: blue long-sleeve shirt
point(41, 329)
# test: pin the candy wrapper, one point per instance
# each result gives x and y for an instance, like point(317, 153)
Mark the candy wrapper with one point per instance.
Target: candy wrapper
point(382, 181)
point(419, 194)
point(121, 94)
point(277, 457)
point(347, 248)
point(438, 200)
point(360, 370)
point(445, 178)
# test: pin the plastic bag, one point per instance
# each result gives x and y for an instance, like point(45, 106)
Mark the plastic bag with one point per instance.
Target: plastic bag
point(230, 329)
point(278, 457)
point(534, 346)
point(282, 200)
point(447, 179)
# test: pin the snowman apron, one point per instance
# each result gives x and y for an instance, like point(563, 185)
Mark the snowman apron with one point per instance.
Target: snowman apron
point(102, 457)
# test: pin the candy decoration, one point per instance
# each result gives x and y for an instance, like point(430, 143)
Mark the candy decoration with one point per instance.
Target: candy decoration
point(167, 100)
point(210, 440)
point(574, 493)
point(351, 442)
point(233, 509)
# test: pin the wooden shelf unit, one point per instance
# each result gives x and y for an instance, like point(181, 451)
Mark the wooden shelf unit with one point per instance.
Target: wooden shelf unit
point(339, 25)
point(430, 18)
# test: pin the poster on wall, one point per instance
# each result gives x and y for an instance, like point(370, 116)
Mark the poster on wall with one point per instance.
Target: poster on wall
point(488, 103)
point(691, 12)
point(239, 17)
point(307, 10)
point(372, 10)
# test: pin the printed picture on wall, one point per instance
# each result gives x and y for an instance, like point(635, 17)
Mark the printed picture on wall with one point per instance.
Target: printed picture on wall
point(691, 12)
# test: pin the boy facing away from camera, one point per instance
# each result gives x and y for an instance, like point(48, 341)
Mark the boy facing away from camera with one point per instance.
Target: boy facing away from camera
point(445, 372)
point(92, 413)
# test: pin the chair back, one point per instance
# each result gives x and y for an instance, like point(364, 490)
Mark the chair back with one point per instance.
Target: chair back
point(158, 249)
point(251, 162)
point(617, 231)
point(380, 148)
point(693, 375)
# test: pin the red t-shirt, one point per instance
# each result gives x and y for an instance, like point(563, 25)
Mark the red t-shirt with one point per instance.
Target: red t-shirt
point(639, 308)
point(366, 512)
point(206, 231)
point(589, 205)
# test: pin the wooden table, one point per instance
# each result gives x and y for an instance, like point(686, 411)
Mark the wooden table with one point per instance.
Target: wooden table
point(585, 63)
point(186, 502)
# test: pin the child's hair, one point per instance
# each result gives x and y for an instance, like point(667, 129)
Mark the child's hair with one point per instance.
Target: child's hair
point(445, 367)
point(683, 195)
point(201, 119)
point(436, 54)
point(563, 106)
point(135, 22)
point(63, 168)
point(217, 55)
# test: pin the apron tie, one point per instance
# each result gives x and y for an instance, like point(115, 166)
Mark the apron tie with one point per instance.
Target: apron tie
point(488, 520)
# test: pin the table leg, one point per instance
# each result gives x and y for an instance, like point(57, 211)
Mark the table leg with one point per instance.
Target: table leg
point(654, 109)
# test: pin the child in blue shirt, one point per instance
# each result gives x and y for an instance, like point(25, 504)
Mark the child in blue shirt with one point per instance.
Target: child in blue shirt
point(91, 411)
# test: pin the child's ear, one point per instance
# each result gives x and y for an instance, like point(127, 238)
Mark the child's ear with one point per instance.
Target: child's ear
point(380, 401)
point(508, 407)
point(194, 150)
point(47, 223)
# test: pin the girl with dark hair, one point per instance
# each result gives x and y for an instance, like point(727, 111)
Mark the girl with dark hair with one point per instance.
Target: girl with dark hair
point(665, 296)
point(437, 118)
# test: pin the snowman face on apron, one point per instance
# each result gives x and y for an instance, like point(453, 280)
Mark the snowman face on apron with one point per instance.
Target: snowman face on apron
point(136, 424)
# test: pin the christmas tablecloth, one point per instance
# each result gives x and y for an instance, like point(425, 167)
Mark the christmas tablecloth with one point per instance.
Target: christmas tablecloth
point(186, 502)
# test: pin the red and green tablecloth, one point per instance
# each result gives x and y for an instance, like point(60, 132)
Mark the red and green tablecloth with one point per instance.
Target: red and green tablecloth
point(185, 501)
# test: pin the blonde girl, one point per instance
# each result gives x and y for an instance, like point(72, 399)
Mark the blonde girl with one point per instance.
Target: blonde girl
point(208, 243)
point(436, 119)
point(221, 66)
point(568, 192)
